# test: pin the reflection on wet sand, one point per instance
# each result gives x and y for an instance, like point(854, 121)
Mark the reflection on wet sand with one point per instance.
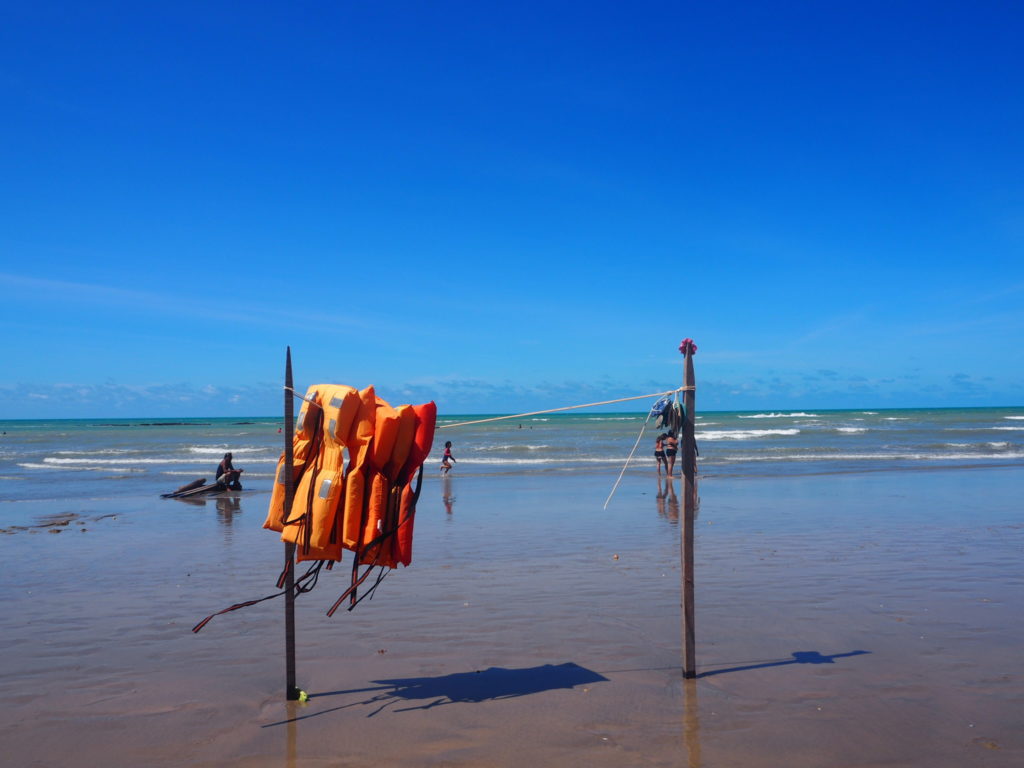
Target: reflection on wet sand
point(446, 494)
point(292, 709)
point(228, 505)
point(668, 502)
point(227, 508)
point(193, 501)
point(691, 724)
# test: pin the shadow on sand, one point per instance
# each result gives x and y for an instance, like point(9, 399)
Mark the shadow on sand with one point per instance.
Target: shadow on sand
point(799, 657)
point(462, 687)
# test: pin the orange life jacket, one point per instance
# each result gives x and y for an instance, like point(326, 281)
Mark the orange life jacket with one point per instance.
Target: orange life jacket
point(392, 438)
point(359, 443)
point(317, 500)
point(426, 419)
point(302, 447)
point(361, 506)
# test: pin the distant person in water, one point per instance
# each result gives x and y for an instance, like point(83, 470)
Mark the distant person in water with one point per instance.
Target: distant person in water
point(227, 475)
point(447, 459)
point(659, 452)
point(670, 452)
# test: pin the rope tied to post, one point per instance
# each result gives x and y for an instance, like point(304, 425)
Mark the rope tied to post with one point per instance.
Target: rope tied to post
point(303, 398)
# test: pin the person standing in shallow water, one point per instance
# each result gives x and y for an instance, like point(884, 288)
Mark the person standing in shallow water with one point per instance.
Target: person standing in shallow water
point(447, 459)
point(670, 452)
point(659, 452)
point(227, 475)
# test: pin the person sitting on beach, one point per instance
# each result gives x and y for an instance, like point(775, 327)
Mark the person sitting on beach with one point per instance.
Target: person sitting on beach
point(447, 459)
point(227, 475)
point(670, 452)
point(659, 452)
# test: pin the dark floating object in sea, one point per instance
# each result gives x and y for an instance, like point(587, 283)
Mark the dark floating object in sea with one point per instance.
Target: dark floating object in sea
point(159, 424)
point(199, 488)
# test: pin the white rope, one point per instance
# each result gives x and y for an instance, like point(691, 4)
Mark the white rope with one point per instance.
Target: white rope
point(554, 410)
point(303, 398)
point(532, 413)
point(628, 459)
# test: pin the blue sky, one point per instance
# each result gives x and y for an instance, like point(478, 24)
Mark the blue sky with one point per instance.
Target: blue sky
point(510, 206)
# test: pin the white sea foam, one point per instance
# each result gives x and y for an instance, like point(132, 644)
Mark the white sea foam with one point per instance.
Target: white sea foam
point(1018, 418)
point(870, 456)
point(897, 418)
point(744, 434)
point(573, 460)
point(1000, 444)
point(1009, 429)
point(91, 467)
point(182, 473)
point(851, 430)
point(222, 449)
point(511, 447)
point(35, 465)
point(120, 462)
point(100, 452)
point(870, 413)
point(779, 415)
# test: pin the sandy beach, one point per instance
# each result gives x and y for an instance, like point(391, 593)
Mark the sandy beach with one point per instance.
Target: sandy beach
point(842, 620)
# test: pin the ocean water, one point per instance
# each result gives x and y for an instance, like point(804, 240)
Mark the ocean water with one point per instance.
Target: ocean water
point(96, 458)
point(859, 594)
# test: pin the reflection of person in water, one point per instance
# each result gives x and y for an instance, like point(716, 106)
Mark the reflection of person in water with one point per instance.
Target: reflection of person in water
point(446, 494)
point(227, 506)
point(673, 501)
point(667, 493)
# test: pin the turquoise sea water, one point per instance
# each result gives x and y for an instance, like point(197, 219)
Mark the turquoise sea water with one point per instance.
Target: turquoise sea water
point(890, 541)
point(96, 458)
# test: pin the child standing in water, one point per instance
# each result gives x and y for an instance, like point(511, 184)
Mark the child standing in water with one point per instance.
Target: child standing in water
point(447, 459)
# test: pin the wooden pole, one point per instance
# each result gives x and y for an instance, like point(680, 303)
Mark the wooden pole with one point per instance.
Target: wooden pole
point(689, 510)
point(291, 689)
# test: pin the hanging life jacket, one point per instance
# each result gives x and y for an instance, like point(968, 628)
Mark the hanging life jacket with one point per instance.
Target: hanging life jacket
point(363, 506)
point(314, 513)
point(303, 446)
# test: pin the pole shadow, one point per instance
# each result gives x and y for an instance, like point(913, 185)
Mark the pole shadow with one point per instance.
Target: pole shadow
point(491, 684)
point(799, 657)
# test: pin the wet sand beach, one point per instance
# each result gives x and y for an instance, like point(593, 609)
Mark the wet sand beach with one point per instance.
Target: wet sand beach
point(861, 619)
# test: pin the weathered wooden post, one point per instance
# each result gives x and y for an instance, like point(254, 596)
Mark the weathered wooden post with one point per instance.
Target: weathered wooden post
point(687, 347)
point(291, 690)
